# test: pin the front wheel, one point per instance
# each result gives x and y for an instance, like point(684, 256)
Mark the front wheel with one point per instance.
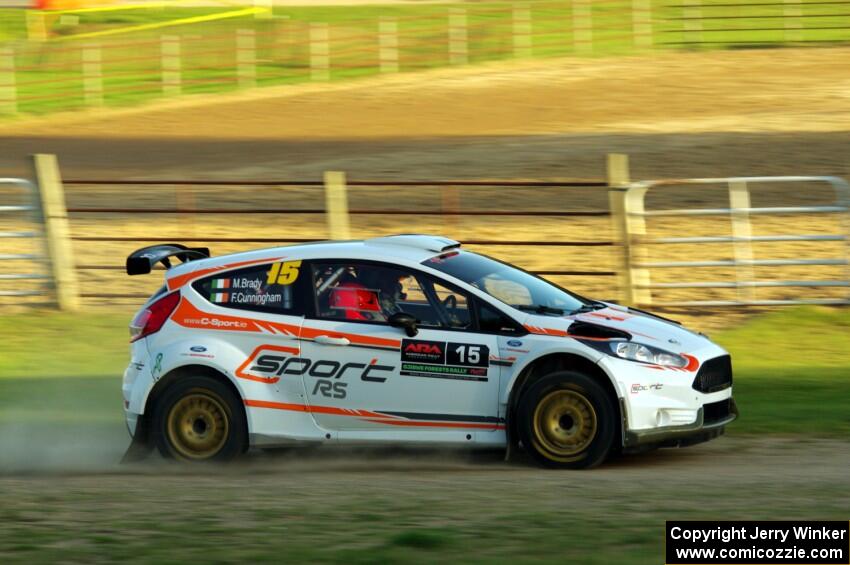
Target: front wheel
point(199, 419)
point(567, 420)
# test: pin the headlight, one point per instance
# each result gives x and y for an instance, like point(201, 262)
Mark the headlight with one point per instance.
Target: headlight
point(639, 352)
point(646, 354)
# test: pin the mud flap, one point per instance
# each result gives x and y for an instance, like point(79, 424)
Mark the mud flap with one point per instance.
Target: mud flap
point(139, 450)
point(140, 447)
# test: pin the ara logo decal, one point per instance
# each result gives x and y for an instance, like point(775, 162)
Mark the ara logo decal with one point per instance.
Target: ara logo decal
point(421, 350)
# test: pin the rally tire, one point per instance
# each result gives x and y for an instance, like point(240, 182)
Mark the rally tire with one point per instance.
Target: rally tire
point(567, 420)
point(199, 419)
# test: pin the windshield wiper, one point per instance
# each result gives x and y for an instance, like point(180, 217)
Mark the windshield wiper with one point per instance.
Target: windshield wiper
point(589, 307)
point(540, 309)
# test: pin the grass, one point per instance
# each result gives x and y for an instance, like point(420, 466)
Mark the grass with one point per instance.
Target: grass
point(49, 76)
point(792, 369)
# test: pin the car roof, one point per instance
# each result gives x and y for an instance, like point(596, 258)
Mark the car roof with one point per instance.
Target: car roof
point(401, 248)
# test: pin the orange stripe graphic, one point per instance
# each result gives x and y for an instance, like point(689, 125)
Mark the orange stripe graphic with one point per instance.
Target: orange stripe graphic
point(366, 415)
point(180, 280)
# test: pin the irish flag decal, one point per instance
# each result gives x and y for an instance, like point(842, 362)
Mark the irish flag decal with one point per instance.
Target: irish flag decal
point(218, 285)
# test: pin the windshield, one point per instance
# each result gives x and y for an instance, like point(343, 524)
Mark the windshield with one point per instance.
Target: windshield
point(508, 284)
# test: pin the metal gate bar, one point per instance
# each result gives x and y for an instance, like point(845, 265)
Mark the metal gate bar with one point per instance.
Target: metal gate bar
point(25, 186)
point(741, 239)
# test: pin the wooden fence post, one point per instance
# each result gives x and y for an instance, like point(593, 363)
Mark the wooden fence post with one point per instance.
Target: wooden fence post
point(92, 74)
point(246, 58)
point(8, 88)
point(458, 37)
point(54, 218)
point(336, 205)
point(171, 65)
point(582, 26)
point(642, 23)
point(522, 31)
point(792, 10)
point(388, 44)
point(618, 187)
point(319, 51)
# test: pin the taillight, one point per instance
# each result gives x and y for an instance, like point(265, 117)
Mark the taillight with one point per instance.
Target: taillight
point(151, 319)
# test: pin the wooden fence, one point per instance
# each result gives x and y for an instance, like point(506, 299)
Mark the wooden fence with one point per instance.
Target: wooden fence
point(88, 69)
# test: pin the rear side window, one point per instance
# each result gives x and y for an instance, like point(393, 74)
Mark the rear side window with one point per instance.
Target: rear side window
point(274, 287)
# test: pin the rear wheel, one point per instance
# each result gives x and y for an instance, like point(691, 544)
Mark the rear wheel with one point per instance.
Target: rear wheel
point(567, 420)
point(199, 419)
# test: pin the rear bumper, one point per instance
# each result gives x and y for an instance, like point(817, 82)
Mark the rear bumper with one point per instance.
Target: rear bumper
point(673, 436)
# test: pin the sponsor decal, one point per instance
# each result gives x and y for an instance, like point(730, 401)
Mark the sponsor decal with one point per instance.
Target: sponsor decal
point(198, 348)
point(445, 360)
point(637, 387)
point(268, 364)
point(204, 355)
point(514, 343)
point(156, 370)
point(424, 351)
point(214, 322)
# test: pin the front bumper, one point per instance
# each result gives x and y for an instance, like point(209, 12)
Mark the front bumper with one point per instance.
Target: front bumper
point(678, 436)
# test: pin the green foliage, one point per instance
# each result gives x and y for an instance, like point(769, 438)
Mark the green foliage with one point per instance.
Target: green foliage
point(49, 76)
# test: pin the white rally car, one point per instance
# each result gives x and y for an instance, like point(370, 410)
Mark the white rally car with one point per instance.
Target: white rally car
point(406, 339)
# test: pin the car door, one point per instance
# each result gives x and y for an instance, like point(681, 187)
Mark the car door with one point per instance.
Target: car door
point(262, 306)
point(367, 375)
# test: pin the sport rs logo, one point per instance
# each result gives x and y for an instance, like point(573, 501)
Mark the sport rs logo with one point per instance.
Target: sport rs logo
point(267, 364)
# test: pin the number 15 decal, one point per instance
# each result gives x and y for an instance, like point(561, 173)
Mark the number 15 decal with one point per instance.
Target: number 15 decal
point(284, 273)
point(468, 355)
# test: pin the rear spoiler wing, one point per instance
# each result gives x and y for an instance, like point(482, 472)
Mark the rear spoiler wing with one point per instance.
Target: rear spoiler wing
point(141, 261)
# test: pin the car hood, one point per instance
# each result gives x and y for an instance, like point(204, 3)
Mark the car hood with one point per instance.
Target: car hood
point(643, 327)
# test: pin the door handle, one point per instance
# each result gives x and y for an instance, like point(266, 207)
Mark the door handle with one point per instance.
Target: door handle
point(328, 340)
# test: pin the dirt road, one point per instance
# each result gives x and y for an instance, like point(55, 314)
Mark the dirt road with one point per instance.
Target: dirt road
point(684, 114)
point(418, 507)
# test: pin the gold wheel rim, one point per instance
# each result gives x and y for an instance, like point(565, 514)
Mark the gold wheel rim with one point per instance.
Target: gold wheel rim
point(565, 423)
point(198, 425)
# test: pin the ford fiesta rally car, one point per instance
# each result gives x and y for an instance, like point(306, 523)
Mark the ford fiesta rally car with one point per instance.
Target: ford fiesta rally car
point(406, 339)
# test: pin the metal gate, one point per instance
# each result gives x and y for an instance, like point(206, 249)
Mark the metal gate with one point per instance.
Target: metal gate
point(19, 221)
point(639, 246)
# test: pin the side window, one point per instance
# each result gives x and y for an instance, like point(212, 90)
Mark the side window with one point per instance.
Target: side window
point(273, 287)
point(491, 320)
point(454, 305)
point(369, 293)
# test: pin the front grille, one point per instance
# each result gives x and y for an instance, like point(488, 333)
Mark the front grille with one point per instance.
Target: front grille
point(716, 411)
point(715, 374)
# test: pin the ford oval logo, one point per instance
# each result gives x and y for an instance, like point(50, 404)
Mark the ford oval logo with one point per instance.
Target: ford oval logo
point(198, 348)
point(515, 343)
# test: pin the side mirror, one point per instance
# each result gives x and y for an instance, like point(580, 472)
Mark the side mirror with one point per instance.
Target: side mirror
point(406, 321)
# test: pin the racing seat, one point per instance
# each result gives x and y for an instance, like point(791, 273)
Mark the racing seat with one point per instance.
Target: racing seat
point(356, 301)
